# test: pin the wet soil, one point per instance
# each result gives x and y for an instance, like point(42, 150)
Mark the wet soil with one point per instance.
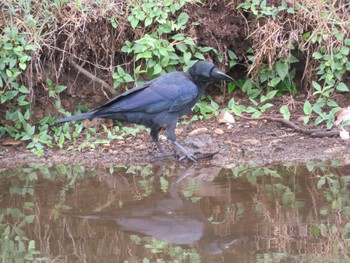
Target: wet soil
point(245, 141)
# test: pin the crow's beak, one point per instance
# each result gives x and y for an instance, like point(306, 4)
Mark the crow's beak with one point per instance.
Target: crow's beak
point(219, 75)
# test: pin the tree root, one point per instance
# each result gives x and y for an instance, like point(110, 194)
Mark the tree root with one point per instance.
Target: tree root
point(86, 73)
point(311, 132)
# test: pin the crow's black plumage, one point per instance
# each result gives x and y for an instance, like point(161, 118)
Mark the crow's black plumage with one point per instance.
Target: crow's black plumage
point(160, 102)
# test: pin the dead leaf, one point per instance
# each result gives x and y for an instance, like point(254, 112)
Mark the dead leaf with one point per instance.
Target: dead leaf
point(342, 115)
point(344, 134)
point(225, 117)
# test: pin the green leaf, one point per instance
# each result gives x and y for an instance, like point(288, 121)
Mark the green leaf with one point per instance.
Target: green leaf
point(265, 107)
point(285, 112)
point(163, 52)
point(30, 47)
point(120, 70)
point(183, 18)
point(26, 115)
point(316, 86)
point(189, 41)
point(332, 103)
point(274, 82)
point(282, 69)
point(178, 37)
point(187, 57)
point(307, 108)
point(307, 119)
point(271, 94)
point(344, 50)
point(199, 56)
point(293, 59)
point(146, 54)
point(317, 55)
point(148, 21)
point(157, 69)
point(140, 15)
point(342, 87)
point(205, 49)
point(248, 85)
point(23, 89)
point(60, 88)
point(317, 109)
point(31, 130)
point(256, 114)
point(128, 78)
point(9, 73)
point(182, 47)
point(251, 109)
point(133, 22)
point(232, 54)
point(23, 66)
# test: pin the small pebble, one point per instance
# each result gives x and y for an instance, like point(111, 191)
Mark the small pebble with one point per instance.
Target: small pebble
point(218, 131)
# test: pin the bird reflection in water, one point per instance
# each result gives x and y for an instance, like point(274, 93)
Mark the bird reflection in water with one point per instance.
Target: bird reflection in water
point(171, 218)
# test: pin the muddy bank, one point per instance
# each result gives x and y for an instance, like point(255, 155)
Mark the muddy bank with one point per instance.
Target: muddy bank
point(257, 142)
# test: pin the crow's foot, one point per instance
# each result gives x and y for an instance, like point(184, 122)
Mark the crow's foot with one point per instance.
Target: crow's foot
point(186, 153)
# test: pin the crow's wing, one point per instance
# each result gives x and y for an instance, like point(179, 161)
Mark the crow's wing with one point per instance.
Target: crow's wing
point(170, 92)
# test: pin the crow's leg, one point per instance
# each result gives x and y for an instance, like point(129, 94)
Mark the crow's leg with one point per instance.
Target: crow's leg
point(154, 135)
point(172, 138)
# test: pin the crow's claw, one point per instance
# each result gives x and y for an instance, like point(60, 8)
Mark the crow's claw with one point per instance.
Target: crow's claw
point(190, 156)
point(186, 153)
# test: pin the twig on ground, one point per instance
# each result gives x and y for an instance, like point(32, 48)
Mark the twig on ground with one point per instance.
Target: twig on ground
point(312, 132)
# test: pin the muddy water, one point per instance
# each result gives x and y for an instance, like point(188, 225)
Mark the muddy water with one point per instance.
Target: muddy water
point(162, 213)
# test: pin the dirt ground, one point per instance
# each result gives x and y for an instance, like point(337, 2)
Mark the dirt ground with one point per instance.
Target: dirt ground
point(243, 142)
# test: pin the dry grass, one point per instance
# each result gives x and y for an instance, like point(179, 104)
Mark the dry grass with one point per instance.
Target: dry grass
point(272, 38)
point(77, 31)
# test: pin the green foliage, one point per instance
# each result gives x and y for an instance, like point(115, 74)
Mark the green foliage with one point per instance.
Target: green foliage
point(206, 108)
point(14, 56)
point(260, 8)
point(15, 246)
point(163, 46)
point(285, 112)
point(257, 108)
point(279, 77)
point(333, 65)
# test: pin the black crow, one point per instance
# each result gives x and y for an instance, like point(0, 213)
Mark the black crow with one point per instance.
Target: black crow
point(160, 102)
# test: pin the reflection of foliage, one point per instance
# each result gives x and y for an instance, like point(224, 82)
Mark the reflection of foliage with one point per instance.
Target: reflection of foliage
point(169, 252)
point(300, 210)
point(322, 231)
point(15, 245)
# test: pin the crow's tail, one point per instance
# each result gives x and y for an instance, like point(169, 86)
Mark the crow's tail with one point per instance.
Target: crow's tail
point(78, 117)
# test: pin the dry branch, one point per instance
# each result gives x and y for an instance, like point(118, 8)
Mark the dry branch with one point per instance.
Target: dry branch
point(311, 132)
point(93, 77)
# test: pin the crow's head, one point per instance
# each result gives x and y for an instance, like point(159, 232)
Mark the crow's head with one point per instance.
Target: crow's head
point(204, 72)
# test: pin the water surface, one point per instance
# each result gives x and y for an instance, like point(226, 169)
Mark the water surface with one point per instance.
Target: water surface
point(175, 213)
